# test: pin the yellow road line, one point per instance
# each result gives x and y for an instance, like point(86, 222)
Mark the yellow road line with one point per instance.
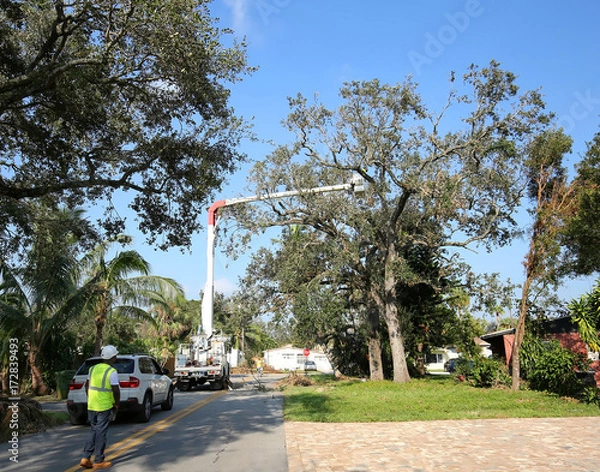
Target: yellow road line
point(130, 442)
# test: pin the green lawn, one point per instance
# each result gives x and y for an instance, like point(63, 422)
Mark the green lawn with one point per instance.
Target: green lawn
point(433, 398)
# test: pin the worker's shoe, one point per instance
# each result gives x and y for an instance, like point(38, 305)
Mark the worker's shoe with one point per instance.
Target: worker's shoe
point(86, 463)
point(102, 465)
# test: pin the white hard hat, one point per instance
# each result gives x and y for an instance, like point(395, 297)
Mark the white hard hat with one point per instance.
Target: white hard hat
point(108, 352)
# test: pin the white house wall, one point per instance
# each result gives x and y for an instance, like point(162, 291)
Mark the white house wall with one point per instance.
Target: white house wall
point(291, 358)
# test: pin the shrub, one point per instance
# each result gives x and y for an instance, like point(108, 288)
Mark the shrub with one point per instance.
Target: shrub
point(463, 368)
point(590, 394)
point(553, 369)
point(489, 373)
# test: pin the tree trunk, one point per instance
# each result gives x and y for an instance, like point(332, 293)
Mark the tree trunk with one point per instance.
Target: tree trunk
point(401, 374)
point(519, 335)
point(421, 359)
point(375, 361)
point(4, 380)
point(100, 321)
point(38, 386)
point(101, 317)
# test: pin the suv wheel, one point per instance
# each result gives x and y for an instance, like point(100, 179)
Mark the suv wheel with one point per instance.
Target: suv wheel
point(168, 403)
point(77, 420)
point(144, 415)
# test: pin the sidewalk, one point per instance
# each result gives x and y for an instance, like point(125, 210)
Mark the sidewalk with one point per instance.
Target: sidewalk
point(527, 445)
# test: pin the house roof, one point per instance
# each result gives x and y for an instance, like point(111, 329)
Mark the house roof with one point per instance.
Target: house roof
point(497, 334)
point(561, 324)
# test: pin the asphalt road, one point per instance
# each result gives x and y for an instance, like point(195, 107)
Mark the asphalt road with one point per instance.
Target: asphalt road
point(225, 431)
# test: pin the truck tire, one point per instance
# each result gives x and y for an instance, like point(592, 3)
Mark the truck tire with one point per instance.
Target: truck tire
point(216, 385)
point(183, 386)
point(144, 415)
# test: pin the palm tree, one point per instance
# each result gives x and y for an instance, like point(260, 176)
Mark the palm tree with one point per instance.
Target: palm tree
point(174, 322)
point(37, 298)
point(112, 290)
point(52, 286)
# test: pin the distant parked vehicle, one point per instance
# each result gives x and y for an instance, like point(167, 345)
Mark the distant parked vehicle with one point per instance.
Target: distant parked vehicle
point(450, 365)
point(465, 365)
point(310, 365)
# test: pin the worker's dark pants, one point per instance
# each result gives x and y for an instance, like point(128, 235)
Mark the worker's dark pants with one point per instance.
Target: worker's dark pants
point(96, 441)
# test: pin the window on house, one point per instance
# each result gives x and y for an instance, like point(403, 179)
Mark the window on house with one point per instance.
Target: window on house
point(434, 359)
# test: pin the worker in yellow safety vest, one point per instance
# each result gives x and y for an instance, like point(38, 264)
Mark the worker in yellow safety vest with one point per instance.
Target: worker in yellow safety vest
point(103, 393)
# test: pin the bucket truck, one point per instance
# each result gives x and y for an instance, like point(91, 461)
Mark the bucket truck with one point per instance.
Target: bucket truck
point(205, 360)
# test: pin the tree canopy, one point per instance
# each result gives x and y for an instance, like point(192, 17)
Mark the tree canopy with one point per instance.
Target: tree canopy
point(39, 297)
point(110, 95)
point(433, 179)
point(582, 238)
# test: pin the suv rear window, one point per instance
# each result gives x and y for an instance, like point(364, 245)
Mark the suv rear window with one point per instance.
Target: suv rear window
point(123, 366)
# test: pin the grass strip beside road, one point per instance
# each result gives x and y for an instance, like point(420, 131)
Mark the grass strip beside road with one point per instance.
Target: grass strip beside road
point(134, 440)
point(434, 398)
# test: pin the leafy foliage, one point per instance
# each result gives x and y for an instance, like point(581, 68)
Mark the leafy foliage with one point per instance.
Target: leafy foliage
point(172, 323)
point(552, 198)
point(37, 298)
point(462, 330)
point(550, 367)
point(44, 297)
point(582, 238)
point(121, 286)
point(113, 95)
point(586, 313)
point(489, 373)
point(32, 418)
point(430, 184)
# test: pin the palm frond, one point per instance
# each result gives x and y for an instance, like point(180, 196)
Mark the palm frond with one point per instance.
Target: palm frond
point(134, 313)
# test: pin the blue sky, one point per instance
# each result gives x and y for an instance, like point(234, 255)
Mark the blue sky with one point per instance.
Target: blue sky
point(312, 46)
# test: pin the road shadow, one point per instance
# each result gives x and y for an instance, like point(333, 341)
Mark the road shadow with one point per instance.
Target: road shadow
point(238, 429)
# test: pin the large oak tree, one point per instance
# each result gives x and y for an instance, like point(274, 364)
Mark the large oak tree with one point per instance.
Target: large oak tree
point(110, 95)
point(441, 180)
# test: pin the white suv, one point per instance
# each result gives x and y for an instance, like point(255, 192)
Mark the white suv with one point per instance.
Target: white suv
point(143, 385)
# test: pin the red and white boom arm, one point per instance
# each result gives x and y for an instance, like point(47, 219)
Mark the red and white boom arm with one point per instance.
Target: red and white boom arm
point(356, 185)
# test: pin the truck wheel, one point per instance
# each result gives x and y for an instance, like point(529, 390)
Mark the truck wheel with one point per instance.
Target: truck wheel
point(184, 386)
point(216, 385)
point(168, 403)
point(144, 415)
